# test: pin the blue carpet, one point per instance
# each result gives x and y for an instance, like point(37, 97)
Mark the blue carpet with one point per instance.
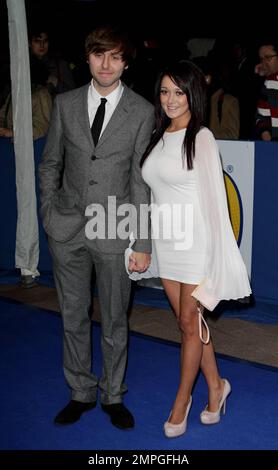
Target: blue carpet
point(33, 390)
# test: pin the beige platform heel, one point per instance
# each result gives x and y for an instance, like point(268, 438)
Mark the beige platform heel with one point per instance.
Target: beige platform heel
point(213, 417)
point(175, 430)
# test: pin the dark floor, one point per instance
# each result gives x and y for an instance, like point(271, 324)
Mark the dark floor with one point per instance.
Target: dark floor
point(234, 337)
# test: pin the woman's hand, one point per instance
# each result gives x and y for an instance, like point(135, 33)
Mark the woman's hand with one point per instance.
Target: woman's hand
point(139, 262)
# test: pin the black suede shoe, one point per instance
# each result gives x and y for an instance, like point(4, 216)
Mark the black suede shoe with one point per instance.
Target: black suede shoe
point(120, 415)
point(28, 281)
point(72, 412)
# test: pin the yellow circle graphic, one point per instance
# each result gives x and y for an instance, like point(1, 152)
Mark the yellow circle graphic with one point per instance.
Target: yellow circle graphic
point(234, 205)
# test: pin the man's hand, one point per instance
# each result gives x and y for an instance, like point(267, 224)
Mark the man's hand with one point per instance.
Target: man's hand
point(139, 262)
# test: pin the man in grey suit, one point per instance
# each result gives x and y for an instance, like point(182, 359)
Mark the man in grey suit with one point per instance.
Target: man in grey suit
point(93, 153)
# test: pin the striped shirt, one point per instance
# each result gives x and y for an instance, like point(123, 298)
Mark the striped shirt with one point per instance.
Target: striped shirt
point(267, 110)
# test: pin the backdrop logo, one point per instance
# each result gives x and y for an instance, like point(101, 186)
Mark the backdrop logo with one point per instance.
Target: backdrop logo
point(235, 206)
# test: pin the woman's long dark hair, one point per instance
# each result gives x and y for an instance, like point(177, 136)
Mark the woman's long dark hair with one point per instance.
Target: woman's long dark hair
point(189, 78)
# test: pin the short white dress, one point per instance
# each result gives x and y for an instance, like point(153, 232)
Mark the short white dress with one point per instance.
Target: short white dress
point(178, 228)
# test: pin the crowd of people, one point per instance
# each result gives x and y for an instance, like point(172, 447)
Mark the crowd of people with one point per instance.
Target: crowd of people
point(241, 96)
point(49, 76)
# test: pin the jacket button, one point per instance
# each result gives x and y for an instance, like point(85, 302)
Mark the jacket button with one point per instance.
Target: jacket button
point(91, 182)
point(93, 157)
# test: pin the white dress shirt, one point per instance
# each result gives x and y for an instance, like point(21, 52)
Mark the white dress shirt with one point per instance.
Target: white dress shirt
point(94, 101)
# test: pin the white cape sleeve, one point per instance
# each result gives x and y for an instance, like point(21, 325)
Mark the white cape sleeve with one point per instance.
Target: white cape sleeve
point(226, 277)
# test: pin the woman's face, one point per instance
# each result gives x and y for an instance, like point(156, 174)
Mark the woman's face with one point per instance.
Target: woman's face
point(174, 101)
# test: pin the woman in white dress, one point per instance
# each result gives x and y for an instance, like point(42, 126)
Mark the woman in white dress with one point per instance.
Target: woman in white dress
point(198, 258)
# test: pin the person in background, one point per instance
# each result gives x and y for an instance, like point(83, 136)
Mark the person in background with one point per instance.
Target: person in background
point(205, 65)
point(41, 105)
point(183, 169)
point(60, 77)
point(147, 65)
point(199, 47)
point(245, 85)
point(224, 119)
point(5, 79)
point(97, 136)
point(267, 107)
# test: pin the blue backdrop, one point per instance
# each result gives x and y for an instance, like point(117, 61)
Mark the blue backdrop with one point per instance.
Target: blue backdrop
point(265, 223)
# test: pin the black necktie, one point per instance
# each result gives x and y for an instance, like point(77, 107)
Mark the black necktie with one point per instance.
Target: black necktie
point(98, 121)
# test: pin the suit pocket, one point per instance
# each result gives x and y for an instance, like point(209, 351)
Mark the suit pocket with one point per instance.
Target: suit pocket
point(63, 218)
point(63, 201)
point(64, 222)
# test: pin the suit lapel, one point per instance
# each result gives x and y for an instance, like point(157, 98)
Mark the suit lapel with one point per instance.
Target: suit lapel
point(119, 116)
point(80, 104)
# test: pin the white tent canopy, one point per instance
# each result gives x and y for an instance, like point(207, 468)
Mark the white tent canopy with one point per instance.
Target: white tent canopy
point(27, 238)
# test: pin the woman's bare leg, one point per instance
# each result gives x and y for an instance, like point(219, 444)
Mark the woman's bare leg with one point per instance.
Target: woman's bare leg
point(210, 371)
point(185, 307)
point(193, 353)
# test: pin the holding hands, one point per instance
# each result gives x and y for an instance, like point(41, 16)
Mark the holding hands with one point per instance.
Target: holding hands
point(139, 262)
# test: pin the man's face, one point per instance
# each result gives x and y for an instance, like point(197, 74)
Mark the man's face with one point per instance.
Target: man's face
point(269, 59)
point(106, 69)
point(39, 45)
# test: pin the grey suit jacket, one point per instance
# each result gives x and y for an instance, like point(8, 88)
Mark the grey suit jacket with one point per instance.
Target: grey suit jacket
point(75, 174)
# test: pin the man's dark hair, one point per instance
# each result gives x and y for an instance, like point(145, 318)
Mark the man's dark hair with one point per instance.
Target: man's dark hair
point(269, 41)
point(35, 32)
point(106, 38)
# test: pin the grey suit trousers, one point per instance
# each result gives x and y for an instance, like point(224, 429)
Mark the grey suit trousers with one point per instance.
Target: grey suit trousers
point(73, 262)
